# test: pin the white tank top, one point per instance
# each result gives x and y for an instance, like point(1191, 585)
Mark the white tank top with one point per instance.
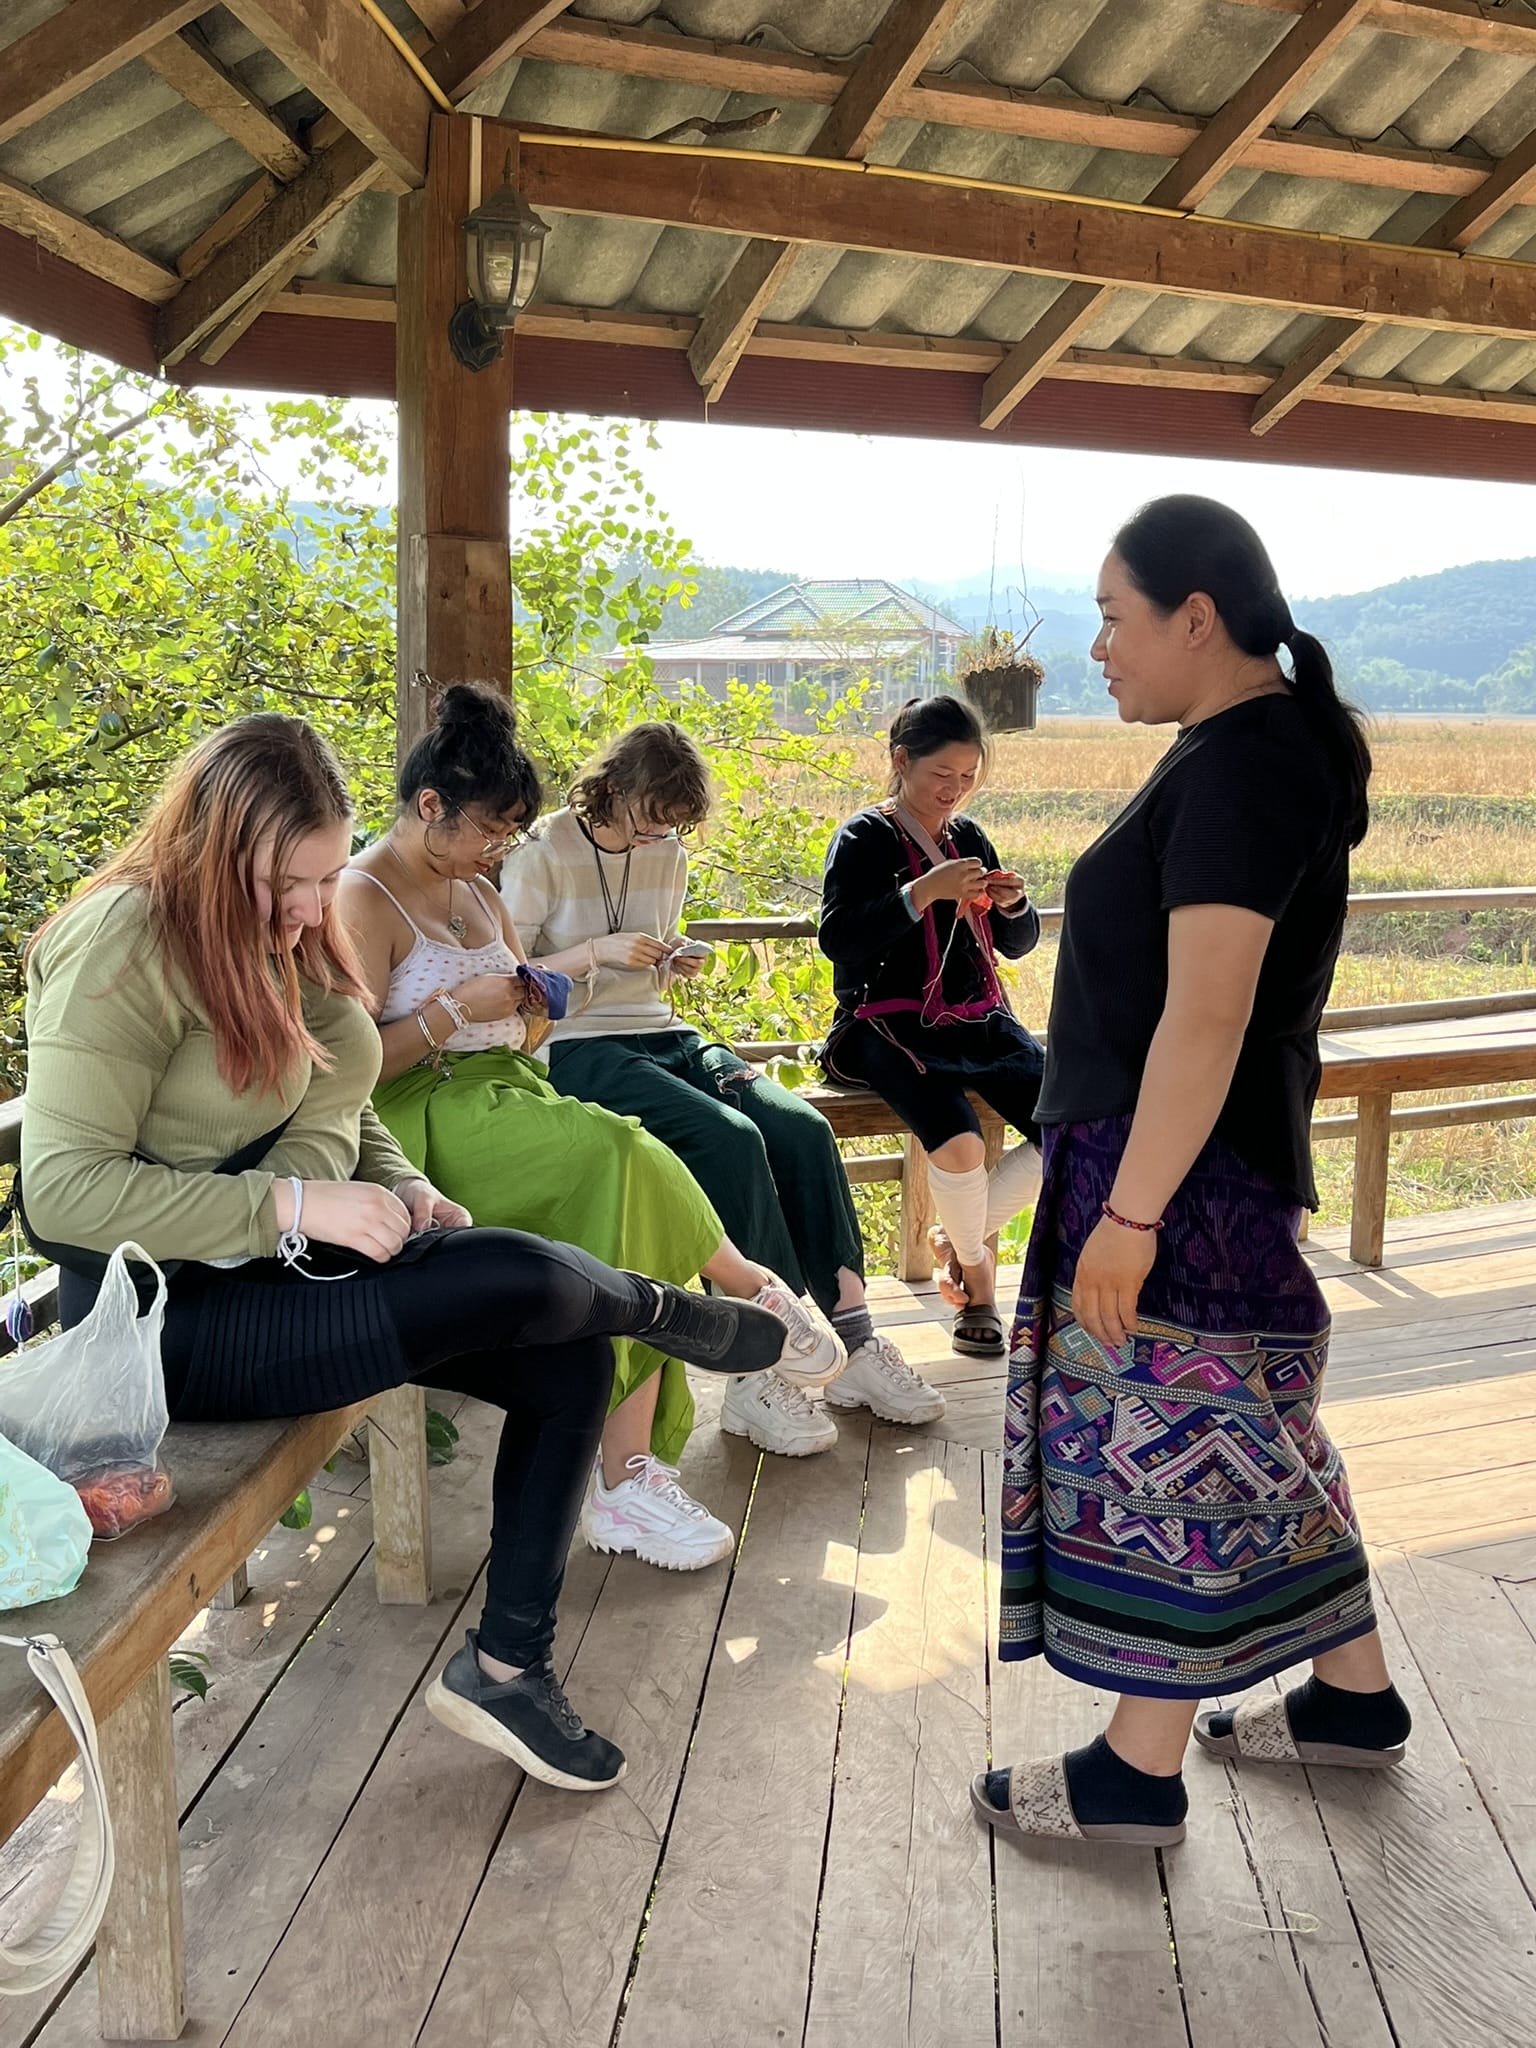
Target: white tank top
point(431, 965)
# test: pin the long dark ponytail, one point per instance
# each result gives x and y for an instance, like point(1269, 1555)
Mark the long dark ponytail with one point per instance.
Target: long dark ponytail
point(1175, 546)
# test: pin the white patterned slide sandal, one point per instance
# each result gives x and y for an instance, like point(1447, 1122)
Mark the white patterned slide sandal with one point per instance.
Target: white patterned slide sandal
point(1040, 1805)
point(1261, 1734)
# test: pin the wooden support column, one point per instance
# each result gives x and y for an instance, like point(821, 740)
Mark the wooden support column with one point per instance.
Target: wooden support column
point(455, 585)
point(402, 1520)
point(1368, 1213)
point(917, 1213)
point(141, 1971)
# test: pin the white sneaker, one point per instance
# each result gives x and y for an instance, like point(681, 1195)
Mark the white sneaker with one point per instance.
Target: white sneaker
point(878, 1377)
point(813, 1352)
point(649, 1514)
point(776, 1416)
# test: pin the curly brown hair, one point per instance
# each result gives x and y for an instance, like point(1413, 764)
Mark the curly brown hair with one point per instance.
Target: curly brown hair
point(656, 767)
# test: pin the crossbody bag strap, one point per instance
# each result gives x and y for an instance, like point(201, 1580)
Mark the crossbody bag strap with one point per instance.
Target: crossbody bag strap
point(52, 1948)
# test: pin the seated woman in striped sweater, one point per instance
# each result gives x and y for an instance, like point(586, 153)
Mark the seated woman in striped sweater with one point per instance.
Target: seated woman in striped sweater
point(599, 893)
point(473, 1110)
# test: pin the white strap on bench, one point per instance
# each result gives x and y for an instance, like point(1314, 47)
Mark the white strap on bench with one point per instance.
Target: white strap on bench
point(53, 1948)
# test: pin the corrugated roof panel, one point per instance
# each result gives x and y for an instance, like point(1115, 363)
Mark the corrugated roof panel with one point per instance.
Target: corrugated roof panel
point(130, 156)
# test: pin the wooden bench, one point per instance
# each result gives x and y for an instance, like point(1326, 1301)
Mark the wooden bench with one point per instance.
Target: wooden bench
point(1369, 1055)
point(138, 1595)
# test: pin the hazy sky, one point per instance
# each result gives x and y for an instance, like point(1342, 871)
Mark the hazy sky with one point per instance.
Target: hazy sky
point(846, 505)
point(840, 505)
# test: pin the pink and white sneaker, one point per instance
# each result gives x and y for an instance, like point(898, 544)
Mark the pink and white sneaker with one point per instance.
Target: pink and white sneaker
point(651, 1516)
point(813, 1352)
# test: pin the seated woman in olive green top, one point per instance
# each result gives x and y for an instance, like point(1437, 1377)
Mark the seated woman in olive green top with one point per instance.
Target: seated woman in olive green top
point(196, 1009)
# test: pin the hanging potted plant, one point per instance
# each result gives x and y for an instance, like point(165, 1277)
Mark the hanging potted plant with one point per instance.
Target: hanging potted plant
point(1002, 679)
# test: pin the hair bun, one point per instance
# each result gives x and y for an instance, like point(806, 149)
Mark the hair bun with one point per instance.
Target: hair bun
point(476, 708)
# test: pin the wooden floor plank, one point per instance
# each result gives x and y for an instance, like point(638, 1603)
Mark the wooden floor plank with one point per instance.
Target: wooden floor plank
point(1450, 1930)
point(1238, 1887)
point(1512, 1562)
point(296, 1576)
point(571, 1877)
point(1084, 1955)
point(254, 1841)
point(727, 1950)
point(1425, 1417)
point(1479, 1662)
point(1439, 1512)
point(1295, 1900)
point(904, 1934)
point(1487, 1449)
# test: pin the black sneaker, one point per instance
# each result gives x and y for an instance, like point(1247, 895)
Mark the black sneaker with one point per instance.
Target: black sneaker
point(528, 1719)
point(715, 1332)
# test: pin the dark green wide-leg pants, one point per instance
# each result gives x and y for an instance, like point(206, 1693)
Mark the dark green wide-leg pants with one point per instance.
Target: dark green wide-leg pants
point(767, 1161)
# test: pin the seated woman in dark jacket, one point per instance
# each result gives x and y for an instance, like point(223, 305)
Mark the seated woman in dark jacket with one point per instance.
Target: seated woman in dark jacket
point(915, 908)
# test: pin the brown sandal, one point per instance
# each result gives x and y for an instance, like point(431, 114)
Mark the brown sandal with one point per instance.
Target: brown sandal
point(1040, 1806)
point(1261, 1734)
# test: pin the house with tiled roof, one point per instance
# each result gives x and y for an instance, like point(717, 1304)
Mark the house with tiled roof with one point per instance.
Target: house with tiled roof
point(826, 632)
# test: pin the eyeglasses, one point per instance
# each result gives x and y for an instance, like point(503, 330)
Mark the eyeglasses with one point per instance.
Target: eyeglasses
point(503, 843)
point(644, 838)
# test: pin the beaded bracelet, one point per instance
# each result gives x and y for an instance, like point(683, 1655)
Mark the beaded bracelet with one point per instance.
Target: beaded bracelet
point(1128, 1222)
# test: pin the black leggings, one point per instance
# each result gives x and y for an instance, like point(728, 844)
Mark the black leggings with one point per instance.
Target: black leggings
point(506, 1317)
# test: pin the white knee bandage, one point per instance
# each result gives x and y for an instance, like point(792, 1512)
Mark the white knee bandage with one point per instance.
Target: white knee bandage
point(961, 1200)
point(1013, 1184)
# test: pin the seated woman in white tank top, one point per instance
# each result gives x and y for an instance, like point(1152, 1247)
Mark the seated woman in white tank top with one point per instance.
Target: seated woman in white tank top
point(459, 1088)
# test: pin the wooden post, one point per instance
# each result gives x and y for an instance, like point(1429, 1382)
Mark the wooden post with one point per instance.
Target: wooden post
point(455, 580)
point(233, 1590)
point(1368, 1216)
point(141, 1970)
point(993, 1134)
point(402, 1526)
point(1304, 1227)
point(917, 1213)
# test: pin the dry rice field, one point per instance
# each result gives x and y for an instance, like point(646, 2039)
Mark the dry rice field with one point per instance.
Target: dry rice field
point(1454, 806)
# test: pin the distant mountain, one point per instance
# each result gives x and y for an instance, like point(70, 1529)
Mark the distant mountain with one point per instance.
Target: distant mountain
point(1461, 622)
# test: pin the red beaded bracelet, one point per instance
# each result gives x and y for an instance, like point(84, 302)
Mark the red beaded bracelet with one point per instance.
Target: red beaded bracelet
point(1129, 1223)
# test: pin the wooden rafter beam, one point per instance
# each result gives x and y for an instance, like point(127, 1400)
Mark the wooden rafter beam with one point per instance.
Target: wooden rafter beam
point(1288, 69)
point(1468, 24)
point(187, 64)
point(76, 48)
point(873, 349)
point(262, 254)
point(348, 62)
point(994, 109)
point(488, 36)
point(1057, 235)
point(1510, 184)
point(902, 45)
point(1334, 342)
point(267, 248)
point(78, 241)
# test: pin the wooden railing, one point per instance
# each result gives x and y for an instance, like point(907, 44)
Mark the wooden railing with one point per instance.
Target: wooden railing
point(1375, 1064)
point(1348, 1073)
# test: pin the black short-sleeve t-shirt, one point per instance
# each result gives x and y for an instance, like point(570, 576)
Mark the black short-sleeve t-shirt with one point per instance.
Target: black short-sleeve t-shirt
point(1242, 809)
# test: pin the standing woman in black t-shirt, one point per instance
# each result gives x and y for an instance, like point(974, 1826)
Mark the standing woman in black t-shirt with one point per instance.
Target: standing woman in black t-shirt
point(1176, 1522)
point(915, 908)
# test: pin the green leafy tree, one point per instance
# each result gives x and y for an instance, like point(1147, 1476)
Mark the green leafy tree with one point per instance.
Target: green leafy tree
point(155, 581)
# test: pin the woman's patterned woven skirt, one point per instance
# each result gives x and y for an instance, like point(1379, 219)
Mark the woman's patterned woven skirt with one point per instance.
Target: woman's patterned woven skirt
point(1175, 1519)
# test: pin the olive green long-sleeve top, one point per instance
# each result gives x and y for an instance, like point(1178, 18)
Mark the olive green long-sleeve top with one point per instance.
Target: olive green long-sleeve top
point(121, 1060)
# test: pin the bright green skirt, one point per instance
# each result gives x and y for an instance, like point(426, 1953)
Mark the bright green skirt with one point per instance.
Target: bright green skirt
point(491, 1133)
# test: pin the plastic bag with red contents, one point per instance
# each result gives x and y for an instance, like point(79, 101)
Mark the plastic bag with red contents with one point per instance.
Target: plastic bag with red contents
point(89, 1403)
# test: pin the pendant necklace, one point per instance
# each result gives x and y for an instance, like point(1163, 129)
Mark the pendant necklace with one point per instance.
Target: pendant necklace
point(614, 912)
point(458, 929)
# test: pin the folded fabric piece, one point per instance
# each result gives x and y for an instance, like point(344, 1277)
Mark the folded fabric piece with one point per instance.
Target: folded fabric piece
point(552, 985)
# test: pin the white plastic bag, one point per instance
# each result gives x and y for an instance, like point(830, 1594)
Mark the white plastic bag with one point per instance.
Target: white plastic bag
point(51, 1950)
point(90, 1403)
point(44, 1533)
